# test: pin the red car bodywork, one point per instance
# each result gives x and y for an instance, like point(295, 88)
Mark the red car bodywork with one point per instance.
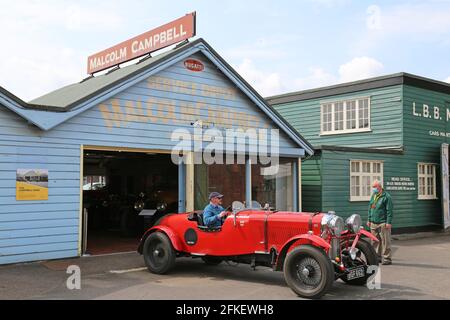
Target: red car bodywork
point(250, 232)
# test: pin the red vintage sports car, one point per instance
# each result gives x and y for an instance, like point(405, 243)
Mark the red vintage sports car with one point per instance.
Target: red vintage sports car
point(312, 249)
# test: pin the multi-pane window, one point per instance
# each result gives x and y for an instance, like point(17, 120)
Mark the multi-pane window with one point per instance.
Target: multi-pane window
point(427, 181)
point(362, 175)
point(339, 116)
point(327, 117)
point(346, 116)
point(363, 113)
point(351, 115)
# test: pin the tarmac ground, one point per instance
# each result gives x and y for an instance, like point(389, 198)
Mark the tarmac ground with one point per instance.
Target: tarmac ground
point(421, 270)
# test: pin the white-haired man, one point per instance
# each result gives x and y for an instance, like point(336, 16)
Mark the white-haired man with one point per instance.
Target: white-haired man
point(380, 221)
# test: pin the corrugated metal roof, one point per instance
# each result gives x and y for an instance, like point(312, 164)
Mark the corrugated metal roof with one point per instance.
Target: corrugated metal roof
point(360, 85)
point(70, 95)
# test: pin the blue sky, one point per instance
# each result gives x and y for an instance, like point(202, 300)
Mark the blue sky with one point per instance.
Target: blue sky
point(278, 46)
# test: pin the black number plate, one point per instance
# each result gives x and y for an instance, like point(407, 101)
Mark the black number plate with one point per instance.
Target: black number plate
point(356, 273)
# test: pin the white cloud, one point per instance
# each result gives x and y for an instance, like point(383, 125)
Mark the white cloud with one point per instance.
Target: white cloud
point(447, 80)
point(268, 84)
point(33, 76)
point(39, 56)
point(356, 69)
point(265, 83)
point(360, 68)
point(317, 77)
point(374, 17)
point(271, 47)
point(66, 14)
point(329, 3)
point(423, 19)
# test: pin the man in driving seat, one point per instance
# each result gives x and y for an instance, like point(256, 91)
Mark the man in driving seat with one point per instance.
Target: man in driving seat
point(214, 212)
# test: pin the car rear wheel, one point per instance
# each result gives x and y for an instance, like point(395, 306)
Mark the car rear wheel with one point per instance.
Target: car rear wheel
point(308, 272)
point(159, 255)
point(365, 256)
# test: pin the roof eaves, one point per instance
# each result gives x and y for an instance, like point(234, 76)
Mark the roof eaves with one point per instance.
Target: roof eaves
point(349, 87)
point(401, 78)
point(390, 150)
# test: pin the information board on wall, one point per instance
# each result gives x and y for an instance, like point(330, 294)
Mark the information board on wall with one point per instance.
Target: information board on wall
point(31, 184)
point(400, 184)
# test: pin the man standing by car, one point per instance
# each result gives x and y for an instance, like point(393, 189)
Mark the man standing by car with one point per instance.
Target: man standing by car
point(380, 221)
point(213, 213)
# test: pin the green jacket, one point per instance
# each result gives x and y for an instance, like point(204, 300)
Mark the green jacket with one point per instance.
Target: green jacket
point(381, 208)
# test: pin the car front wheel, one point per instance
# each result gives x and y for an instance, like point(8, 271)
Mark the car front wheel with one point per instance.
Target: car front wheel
point(159, 255)
point(365, 256)
point(308, 272)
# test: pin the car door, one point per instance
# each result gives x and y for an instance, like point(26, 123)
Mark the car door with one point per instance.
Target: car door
point(235, 238)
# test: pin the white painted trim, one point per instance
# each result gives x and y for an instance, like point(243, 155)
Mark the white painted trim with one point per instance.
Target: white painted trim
point(336, 100)
point(80, 226)
point(360, 174)
point(299, 172)
point(101, 148)
point(345, 131)
point(190, 185)
point(427, 196)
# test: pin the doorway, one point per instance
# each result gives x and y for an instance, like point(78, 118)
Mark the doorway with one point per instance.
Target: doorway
point(124, 194)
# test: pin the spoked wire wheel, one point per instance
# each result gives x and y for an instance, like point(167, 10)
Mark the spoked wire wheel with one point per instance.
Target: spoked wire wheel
point(308, 272)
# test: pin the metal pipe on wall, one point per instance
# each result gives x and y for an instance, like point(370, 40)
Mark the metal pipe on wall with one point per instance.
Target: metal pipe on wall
point(248, 182)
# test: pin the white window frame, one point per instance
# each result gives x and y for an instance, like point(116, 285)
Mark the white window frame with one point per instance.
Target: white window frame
point(345, 130)
point(426, 176)
point(361, 174)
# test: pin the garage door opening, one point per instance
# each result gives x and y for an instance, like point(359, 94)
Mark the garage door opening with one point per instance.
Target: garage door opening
point(125, 193)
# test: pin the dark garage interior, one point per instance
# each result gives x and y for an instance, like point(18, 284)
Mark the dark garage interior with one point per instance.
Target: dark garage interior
point(124, 193)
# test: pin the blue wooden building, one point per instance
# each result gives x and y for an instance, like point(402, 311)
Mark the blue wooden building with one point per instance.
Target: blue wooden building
point(133, 110)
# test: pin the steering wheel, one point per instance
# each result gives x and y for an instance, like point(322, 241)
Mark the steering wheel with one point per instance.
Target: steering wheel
point(226, 210)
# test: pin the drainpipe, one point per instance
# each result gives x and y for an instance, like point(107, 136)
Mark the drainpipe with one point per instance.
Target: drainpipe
point(295, 186)
point(248, 182)
point(181, 187)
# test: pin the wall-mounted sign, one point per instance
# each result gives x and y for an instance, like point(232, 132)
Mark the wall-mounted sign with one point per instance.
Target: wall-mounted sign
point(161, 37)
point(31, 184)
point(400, 184)
point(194, 65)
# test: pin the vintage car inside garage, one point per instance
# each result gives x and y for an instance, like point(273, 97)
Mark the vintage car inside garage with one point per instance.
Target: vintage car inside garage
point(123, 194)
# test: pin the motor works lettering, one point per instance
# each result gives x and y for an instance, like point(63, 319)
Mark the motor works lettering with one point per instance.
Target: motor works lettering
point(157, 110)
point(171, 33)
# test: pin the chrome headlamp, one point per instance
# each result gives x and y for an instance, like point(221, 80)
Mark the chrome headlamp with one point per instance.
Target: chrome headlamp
point(139, 205)
point(333, 223)
point(161, 206)
point(354, 223)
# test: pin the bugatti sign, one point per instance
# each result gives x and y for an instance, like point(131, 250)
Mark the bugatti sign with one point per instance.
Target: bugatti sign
point(194, 65)
point(164, 36)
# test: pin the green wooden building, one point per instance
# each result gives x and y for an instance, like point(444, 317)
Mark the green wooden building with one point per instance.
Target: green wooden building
point(392, 128)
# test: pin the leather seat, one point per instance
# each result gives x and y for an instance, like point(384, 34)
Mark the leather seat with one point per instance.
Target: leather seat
point(200, 221)
point(198, 217)
point(205, 228)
